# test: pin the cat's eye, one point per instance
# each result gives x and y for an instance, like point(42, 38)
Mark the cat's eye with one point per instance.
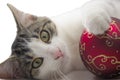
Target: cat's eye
point(45, 36)
point(37, 62)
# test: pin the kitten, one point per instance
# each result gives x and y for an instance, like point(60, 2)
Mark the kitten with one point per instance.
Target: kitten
point(48, 48)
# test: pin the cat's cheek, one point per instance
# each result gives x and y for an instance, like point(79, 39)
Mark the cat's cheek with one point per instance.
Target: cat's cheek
point(49, 67)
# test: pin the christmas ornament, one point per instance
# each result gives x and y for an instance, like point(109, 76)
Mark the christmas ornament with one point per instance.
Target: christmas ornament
point(101, 53)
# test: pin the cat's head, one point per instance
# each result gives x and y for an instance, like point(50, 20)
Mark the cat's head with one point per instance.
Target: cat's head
point(37, 51)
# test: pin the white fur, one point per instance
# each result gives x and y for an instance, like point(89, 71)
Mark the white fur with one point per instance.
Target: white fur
point(48, 51)
point(94, 16)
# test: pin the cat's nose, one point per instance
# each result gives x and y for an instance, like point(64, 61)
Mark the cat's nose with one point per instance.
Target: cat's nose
point(58, 54)
point(11, 69)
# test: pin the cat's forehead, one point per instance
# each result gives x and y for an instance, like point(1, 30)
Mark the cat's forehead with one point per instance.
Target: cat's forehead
point(39, 23)
point(42, 23)
point(36, 26)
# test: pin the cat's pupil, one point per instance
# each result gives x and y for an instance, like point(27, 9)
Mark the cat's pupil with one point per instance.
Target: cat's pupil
point(44, 36)
point(37, 62)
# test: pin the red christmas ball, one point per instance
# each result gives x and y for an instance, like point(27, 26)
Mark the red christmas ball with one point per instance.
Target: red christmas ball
point(101, 53)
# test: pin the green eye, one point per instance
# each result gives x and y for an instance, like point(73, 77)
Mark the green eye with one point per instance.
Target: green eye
point(45, 36)
point(37, 62)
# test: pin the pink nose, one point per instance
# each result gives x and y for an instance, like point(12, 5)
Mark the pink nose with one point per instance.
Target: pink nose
point(58, 54)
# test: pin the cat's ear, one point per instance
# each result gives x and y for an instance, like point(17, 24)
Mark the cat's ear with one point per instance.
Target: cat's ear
point(22, 19)
point(10, 69)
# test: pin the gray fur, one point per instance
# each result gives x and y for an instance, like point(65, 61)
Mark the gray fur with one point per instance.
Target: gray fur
point(29, 27)
point(24, 36)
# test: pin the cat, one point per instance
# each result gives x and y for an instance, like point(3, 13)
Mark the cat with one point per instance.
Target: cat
point(48, 48)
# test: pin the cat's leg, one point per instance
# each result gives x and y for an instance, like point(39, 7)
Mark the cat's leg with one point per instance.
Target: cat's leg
point(96, 15)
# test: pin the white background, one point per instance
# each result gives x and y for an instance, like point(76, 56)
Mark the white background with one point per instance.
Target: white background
point(36, 7)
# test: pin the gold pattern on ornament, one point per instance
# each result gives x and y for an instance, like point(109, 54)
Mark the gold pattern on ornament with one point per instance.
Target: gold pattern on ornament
point(90, 67)
point(118, 67)
point(114, 23)
point(114, 34)
point(117, 51)
point(80, 50)
point(85, 32)
point(114, 60)
point(104, 36)
point(110, 29)
point(107, 36)
point(83, 46)
point(91, 61)
point(109, 43)
point(90, 35)
point(89, 58)
point(104, 59)
point(93, 46)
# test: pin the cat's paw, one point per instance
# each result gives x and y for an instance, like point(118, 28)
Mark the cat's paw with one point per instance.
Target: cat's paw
point(96, 22)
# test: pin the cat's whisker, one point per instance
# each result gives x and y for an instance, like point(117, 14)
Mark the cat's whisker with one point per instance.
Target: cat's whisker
point(55, 75)
point(62, 75)
point(51, 75)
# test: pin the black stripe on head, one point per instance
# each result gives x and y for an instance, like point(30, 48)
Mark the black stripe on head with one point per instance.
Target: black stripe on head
point(19, 47)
